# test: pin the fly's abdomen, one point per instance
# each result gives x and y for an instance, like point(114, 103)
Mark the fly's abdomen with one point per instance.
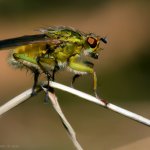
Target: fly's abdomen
point(31, 50)
point(26, 55)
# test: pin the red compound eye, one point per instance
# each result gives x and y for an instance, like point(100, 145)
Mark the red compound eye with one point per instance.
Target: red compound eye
point(92, 42)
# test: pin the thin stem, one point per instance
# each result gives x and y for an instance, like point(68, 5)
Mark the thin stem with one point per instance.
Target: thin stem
point(110, 106)
point(65, 122)
point(17, 100)
point(27, 94)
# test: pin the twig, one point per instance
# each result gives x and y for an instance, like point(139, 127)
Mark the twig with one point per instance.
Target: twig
point(27, 94)
point(66, 124)
point(110, 106)
point(17, 100)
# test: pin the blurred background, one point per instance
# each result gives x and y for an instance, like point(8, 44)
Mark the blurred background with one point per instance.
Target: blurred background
point(123, 72)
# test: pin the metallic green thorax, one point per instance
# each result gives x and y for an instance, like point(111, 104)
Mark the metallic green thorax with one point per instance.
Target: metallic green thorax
point(61, 47)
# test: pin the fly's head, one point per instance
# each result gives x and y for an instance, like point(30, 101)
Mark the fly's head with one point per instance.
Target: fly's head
point(92, 45)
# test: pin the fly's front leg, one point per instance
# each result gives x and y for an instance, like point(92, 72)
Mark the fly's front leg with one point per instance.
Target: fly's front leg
point(83, 67)
point(76, 76)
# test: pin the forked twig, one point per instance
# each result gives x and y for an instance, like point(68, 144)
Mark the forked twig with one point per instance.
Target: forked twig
point(66, 124)
point(27, 94)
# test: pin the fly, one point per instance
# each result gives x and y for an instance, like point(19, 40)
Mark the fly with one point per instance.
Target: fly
point(54, 49)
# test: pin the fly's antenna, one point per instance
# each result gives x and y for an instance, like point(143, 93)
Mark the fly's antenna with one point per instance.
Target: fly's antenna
point(104, 40)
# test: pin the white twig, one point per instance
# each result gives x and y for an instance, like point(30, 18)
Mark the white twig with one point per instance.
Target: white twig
point(17, 100)
point(66, 124)
point(110, 106)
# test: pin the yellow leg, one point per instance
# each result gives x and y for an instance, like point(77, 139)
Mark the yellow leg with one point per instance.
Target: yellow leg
point(82, 67)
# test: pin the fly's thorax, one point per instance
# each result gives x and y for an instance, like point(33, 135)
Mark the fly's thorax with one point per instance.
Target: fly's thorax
point(74, 48)
point(67, 49)
point(65, 34)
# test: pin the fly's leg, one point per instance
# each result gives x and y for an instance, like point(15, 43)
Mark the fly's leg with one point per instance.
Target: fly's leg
point(90, 64)
point(95, 88)
point(74, 79)
point(52, 78)
point(47, 65)
point(83, 67)
point(35, 71)
point(36, 76)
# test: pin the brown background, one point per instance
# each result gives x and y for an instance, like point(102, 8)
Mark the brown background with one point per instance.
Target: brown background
point(123, 76)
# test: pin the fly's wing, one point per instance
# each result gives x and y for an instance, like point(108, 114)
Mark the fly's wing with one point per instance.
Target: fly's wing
point(54, 35)
point(23, 40)
point(64, 34)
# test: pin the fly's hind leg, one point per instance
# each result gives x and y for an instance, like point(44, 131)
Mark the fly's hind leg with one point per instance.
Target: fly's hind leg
point(24, 60)
point(36, 76)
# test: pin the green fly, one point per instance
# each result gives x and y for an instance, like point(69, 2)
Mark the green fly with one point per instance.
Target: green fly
point(54, 49)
